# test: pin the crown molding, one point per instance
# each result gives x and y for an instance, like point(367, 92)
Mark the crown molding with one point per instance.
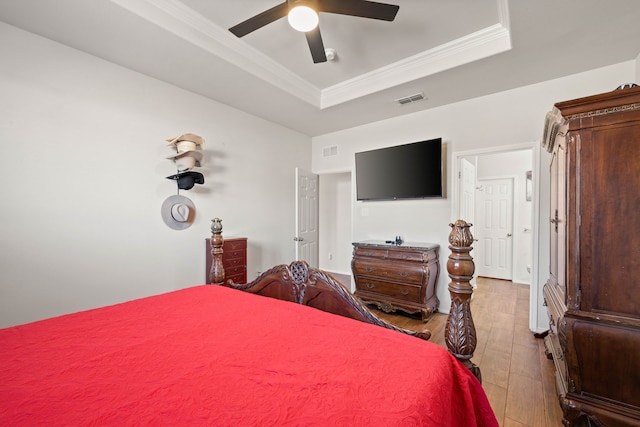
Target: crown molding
point(481, 44)
point(503, 14)
point(180, 20)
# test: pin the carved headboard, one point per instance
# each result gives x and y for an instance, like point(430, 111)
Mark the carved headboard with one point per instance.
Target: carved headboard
point(299, 283)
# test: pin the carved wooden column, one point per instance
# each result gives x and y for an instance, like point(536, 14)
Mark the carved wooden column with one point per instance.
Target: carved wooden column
point(216, 274)
point(460, 332)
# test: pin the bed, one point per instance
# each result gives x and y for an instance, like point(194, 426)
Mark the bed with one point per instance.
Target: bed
point(293, 347)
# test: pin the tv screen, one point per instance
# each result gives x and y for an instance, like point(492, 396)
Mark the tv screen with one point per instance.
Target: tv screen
point(409, 171)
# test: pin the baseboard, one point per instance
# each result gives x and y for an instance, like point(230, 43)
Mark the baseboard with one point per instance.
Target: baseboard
point(348, 273)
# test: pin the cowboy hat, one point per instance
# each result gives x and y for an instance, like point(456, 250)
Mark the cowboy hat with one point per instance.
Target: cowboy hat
point(186, 156)
point(178, 212)
point(186, 180)
point(186, 160)
point(198, 140)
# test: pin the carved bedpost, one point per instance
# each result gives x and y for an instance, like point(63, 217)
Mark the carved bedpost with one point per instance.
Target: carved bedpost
point(460, 332)
point(216, 274)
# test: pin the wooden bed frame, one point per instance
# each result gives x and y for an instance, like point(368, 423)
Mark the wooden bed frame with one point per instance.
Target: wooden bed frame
point(299, 283)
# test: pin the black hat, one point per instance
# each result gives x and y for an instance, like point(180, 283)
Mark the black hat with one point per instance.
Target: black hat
point(186, 180)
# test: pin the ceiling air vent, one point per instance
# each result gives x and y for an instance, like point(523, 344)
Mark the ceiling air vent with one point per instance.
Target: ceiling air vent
point(411, 98)
point(330, 151)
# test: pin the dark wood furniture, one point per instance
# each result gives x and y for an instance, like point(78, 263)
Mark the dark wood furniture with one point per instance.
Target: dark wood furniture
point(397, 277)
point(234, 259)
point(302, 284)
point(592, 297)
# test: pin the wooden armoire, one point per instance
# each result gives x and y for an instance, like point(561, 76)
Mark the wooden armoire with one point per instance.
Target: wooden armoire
point(593, 292)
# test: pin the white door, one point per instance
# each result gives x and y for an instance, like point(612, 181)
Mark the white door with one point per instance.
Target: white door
point(467, 203)
point(306, 237)
point(494, 229)
point(467, 191)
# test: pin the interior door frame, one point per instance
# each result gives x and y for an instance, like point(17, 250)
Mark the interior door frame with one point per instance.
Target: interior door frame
point(535, 287)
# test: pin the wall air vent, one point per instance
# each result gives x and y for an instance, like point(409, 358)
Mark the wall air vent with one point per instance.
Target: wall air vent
point(330, 151)
point(411, 98)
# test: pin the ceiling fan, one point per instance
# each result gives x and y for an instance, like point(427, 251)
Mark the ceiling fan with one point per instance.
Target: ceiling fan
point(303, 16)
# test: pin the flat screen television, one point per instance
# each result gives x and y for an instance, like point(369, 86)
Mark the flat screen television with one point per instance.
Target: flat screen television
point(409, 171)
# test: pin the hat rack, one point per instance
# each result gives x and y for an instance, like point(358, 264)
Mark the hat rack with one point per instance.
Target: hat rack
point(178, 211)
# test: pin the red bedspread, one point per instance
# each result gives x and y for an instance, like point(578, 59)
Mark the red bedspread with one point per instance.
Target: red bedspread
point(210, 355)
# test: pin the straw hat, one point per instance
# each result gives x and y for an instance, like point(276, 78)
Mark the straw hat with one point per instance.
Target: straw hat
point(186, 160)
point(195, 139)
point(187, 155)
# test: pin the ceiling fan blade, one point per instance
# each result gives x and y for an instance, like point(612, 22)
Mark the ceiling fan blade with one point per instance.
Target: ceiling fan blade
point(260, 20)
point(314, 39)
point(360, 8)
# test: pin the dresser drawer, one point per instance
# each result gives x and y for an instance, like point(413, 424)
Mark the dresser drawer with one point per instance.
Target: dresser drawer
point(233, 271)
point(233, 254)
point(229, 263)
point(371, 252)
point(235, 245)
point(407, 274)
point(400, 255)
point(393, 253)
point(401, 291)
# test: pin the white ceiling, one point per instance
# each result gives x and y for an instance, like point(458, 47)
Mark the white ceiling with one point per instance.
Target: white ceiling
point(449, 50)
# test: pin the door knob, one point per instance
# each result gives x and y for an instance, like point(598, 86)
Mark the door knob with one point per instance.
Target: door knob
point(509, 234)
point(298, 239)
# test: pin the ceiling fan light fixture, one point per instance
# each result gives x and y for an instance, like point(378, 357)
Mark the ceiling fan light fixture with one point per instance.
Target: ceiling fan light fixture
point(303, 18)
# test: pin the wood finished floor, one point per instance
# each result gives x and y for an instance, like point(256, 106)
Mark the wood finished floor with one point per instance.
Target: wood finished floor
point(516, 375)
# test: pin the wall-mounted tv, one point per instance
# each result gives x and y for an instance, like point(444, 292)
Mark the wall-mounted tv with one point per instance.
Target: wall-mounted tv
point(409, 171)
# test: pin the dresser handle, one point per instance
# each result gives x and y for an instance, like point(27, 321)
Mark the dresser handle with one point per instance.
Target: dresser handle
point(370, 285)
point(369, 269)
point(404, 274)
point(368, 253)
point(404, 292)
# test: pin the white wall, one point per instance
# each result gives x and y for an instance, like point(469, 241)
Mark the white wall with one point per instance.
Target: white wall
point(83, 179)
point(507, 118)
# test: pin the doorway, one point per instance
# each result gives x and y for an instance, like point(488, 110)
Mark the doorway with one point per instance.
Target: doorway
point(335, 222)
point(498, 163)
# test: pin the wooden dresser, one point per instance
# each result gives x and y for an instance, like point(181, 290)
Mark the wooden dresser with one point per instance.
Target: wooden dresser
point(397, 277)
point(234, 259)
point(592, 294)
